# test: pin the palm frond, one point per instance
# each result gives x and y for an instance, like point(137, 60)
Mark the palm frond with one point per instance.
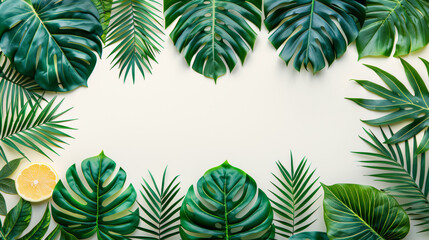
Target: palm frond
point(33, 127)
point(15, 88)
point(295, 194)
point(161, 207)
point(405, 170)
point(136, 32)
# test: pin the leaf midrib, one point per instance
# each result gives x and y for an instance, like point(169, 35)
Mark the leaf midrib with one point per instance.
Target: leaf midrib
point(364, 222)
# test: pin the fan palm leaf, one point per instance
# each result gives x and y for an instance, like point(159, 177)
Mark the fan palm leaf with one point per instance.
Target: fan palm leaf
point(136, 33)
point(33, 127)
point(405, 170)
point(297, 194)
point(15, 88)
point(161, 207)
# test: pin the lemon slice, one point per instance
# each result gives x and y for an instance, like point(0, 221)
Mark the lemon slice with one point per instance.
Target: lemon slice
point(36, 182)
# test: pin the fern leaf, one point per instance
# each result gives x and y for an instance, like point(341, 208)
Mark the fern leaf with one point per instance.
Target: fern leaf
point(405, 170)
point(161, 206)
point(295, 194)
point(136, 33)
point(33, 127)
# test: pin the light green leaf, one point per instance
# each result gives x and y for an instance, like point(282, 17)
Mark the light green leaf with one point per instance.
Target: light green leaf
point(161, 207)
point(313, 31)
point(104, 8)
point(51, 41)
point(39, 129)
point(295, 193)
point(212, 34)
point(95, 213)
point(228, 206)
point(354, 211)
point(385, 18)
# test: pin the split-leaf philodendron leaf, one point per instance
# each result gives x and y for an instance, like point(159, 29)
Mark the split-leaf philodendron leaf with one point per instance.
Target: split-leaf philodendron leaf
point(314, 31)
point(354, 211)
point(384, 18)
point(226, 205)
point(213, 33)
point(402, 104)
point(96, 212)
point(52, 41)
point(310, 236)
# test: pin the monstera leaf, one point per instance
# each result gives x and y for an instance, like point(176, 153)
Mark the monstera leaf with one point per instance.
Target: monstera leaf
point(362, 212)
point(136, 34)
point(213, 33)
point(161, 207)
point(295, 195)
point(314, 31)
point(403, 104)
point(51, 41)
point(228, 206)
point(405, 171)
point(97, 211)
point(386, 17)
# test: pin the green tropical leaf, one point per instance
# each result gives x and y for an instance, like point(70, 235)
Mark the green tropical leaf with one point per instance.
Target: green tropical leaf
point(136, 34)
point(354, 211)
point(310, 236)
point(384, 18)
point(402, 104)
point(313, 31)
point(161, 205)
point(212, 34)
point(104, 8)
point(404, 170)
point(15, 88)
point(18, 219)
point(228, 206)
point(103, 209)
point(7, 183)
point(51, 41)
point(294, 196)
point(33, 127)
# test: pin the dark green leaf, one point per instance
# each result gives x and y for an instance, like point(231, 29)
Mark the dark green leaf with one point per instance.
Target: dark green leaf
point(96, 214)
point(15, 88)
point(228, 206)
point(104, 8)
point(314, 31)
point(33, 127)
point(9, 168)
point(17, 220)
point(40, 229)
point(297, 194)
point(403, 105)
point(354, 211)
point(402, 175)
point(136, 34)
point(3, 208)
point(7, 185)
point(51, 41)
point(385, 18)
point(212, 34)
point(310, 236)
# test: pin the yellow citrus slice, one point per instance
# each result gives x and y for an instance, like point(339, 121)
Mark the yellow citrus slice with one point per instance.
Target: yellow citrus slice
point(36, 182)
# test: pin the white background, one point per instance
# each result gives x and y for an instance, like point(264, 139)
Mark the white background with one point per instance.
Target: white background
point(252, 117)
